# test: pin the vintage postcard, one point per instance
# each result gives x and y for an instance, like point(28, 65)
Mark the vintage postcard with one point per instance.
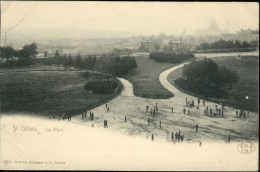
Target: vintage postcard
point(129, 86)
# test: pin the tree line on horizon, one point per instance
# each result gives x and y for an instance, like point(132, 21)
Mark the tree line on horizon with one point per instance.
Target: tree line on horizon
point(24, 57)
point(229, 44)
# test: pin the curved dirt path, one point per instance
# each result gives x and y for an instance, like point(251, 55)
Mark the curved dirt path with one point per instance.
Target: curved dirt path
point(127, 89)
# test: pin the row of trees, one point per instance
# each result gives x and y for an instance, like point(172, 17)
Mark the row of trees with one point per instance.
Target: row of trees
point(109, 63)
point(229, 44)
point(170, 57)
point(206, 78)
point(23, 57)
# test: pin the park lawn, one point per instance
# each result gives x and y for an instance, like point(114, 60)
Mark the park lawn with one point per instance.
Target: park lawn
point(48, 93)
point(145, 78)
point(248, 84)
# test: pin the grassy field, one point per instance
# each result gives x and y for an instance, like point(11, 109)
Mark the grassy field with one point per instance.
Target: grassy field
point(248, 84)
point(47, 93)
point(145, 78)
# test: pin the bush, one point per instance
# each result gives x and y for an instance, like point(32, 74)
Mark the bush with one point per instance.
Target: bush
point(170, 57)
point(102, 87)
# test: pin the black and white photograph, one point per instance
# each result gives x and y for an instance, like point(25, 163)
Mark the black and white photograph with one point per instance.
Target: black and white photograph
point(121, 85)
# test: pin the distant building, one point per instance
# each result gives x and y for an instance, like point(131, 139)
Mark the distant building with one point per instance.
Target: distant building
point(149, 45)
point(174, 45)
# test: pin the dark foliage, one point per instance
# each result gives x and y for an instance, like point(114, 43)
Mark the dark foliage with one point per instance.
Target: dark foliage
point(170, 57)
point(206, 78)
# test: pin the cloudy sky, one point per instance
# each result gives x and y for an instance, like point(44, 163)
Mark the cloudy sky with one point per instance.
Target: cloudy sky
point(136, 17)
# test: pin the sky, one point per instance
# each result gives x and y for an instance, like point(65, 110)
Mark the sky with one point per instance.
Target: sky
point(134, 17)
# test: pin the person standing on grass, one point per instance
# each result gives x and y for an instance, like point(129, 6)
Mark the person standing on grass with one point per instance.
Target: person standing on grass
point(160, 124)
point(172, 136)
point(229, 138)
point(184, 110)
point(176, 136)
point(210, 111)
point(207, 108)
point(236, 113)
point(186, 100)
point(106, 105)
point(148, 121)
point(82, 116)
point(125, 119)
point(188, 111)
point(152, 137)
point(197, 127)
point(151, 111)
point(172, 109)
point(198, 101)
point(108, 109)
point(182, 137)
point(105, 123)
point(147, 108)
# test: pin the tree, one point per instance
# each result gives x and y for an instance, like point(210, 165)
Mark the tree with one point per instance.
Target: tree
point(57, 53)
point(78, 61)
point(45, 53)
point(28, 54)
point(205, 77)
point(7, 52)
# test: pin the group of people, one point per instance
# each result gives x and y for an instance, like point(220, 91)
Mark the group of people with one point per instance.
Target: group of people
point(152, 110)
point(184, 111)
point(211, 112)
point(178, 136)
point(66, 116)
point(242, 113)
point(84, 115)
